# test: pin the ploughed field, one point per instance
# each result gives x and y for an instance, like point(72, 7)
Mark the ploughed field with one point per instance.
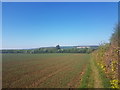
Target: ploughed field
point(59, 70)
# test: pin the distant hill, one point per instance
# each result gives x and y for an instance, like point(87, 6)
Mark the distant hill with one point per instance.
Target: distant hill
point(63, 49)
point(85, 46)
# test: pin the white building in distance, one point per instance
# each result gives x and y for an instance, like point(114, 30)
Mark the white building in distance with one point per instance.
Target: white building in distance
point(83, 47)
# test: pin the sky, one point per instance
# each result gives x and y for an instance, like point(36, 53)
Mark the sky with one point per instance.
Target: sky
point(43, 24)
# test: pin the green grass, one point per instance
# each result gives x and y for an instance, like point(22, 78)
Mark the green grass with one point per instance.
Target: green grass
point(86, 77)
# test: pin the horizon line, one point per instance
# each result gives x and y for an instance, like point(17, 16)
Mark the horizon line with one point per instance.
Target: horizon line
point(45, 47)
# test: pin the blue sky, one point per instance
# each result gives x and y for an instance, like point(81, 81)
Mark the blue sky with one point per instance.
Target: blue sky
point(31, 25)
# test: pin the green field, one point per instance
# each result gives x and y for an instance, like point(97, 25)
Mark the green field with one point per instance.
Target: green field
point(49, 71)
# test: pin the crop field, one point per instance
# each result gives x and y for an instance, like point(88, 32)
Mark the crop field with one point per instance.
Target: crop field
point(61, 70)
point(43, 70)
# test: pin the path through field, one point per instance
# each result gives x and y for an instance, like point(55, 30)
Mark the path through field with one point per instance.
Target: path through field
point(50, 71)
point(96, 76)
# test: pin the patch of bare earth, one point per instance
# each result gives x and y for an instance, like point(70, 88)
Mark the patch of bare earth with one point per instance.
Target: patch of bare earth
point(42, 80)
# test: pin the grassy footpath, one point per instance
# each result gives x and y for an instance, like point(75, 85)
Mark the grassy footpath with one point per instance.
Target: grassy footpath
point(94, 77)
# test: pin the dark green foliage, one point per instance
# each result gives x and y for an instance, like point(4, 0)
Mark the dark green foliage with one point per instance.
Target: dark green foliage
point(57, 47)
point(14, 51)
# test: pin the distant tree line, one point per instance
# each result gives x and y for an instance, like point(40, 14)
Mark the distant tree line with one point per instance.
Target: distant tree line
point(56, 49)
